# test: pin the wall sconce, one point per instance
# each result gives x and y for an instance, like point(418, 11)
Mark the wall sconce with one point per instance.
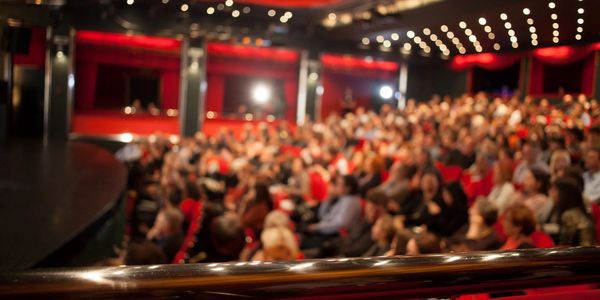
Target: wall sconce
point(61, 43)
point(195, 54)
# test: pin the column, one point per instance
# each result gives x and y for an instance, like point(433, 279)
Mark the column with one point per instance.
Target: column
point(302, 89)
point(524, 75)
point(59, 83)
point(402, 84)
point(192, 86)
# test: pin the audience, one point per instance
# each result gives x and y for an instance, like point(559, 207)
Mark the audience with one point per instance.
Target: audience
point(464, 174)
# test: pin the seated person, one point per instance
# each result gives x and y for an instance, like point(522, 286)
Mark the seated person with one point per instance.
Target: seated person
point(339, 212)
point(382, 234)
point(144, 253)
point(519, 224)
point(358, 240)
point(574, 226)
point(278, 244)
point(167, 232)
point(423, 243)
point(479, 234)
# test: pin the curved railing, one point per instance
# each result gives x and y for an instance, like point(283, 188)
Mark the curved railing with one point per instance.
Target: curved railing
point(377, 277)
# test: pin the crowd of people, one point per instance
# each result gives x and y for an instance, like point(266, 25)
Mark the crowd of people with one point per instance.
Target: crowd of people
point(448, 175)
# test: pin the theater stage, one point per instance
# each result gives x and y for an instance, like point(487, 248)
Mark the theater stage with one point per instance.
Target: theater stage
point(56, 201)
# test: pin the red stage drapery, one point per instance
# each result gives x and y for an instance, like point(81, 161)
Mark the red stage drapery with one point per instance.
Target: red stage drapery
point(362, 76)
point(488, 61)
point(36, 56)
point(228, 60)
point(100, 48)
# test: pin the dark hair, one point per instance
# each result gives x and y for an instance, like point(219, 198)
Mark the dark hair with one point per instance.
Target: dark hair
point(144, 253)
point(521, 216)
point(570, 195)
point(488, 211)
point(377, 197)
point(192, 191)
point(428, 243)
point(574, 173)
point(262, 194)
point(351, 183)
point(542, 177)
point(228, 234)
point(457, 193)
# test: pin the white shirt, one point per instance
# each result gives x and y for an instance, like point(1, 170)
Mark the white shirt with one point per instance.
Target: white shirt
point(502, 195)
point(591, 189)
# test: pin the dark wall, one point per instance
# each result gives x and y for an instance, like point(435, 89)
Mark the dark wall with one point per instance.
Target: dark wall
point(425, 80)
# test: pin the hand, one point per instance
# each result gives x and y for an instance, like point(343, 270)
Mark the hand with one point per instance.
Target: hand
point(433, 208)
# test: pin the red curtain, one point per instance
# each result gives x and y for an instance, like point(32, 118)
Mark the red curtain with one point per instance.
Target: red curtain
point(488, 61)
point(563, 55)
point(37, 50)
point(89, 56)
point(225, 60)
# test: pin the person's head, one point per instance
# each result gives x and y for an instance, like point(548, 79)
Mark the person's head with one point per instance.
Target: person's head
point(169, 221)
point(519, 221)
point(560, 160)
point(345, 185)
point(228, 235)
point(536, 181)
point(279, 244)
point(144, 253)
point(423, 243)
point(502, 173)
point(375, 205)
point(430, 183)
point(483, 213)
point(592, 159)
point(423, 158)
point(192, 191)
point(298, 165)
point(530, 151)
point(277, 218)
point(399, 243)
point(383, 229)
point(406, 172)
point(566, 194)
point(375, 165)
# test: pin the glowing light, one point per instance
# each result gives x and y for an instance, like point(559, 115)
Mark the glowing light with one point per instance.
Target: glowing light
point(313, 76)
point(386, 92)
point(210, 10)
point(534, 36)
point(507, 25)
point(235, 13)
point(578, 36)
point(410, 34)
point(555, 33)
point(580, 21)
point(387, 43)
point(261, 93)
point(271, 13)
point(380, 39)
point(513, 39)
point(462, 24)
point(532, 29)
point(496, 46)
point(529, 21)
point(229, 2)
point(468, 31)
point(580, 11)
point(511, 32)
point(555, 40)
point(60, 54)
point(552, 5)
point(407, 46)
point(526, 11)
point(433, 37)
point(126, 137)
point(580, 29)
point(482, 21)
point(450, 34)
point(426, 31)
point(491, 36)
point(185, 7)
point(130, 2)
point(503, 16)
point(365, 41)
point(211, 115)
point(246, 10)
point(417, 39)
point(444, 28)
point(283, 19)
point(395, 36)
point(288, 14)
point(534, 42)
point(472, 38)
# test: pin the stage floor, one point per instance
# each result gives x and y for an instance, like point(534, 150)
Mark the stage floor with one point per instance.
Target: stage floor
point(51, 193)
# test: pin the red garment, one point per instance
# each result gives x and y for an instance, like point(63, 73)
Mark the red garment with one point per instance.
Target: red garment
point(475, 187)
point(318, 186)
point(539, 239)
point(189, 207)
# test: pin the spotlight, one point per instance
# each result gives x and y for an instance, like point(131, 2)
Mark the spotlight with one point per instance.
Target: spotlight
point(395, 36)
point(496, 46)
point(482, 21)
point(271, 13)
point(462, 24)
point(503, 16)
point(410, 34)
point(444, 28)
point(552, 5)
point(185, 7)
point(126, 137)
point(578, 36)
point(526, 11)
point(229, 2)
point(130, 2)
point(235, 13)
point(210, 10)
point(313, 76)
point(386, 92)
point(365, 41)
point(261, 93)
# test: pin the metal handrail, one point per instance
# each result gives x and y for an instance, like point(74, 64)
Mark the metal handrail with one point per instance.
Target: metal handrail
point(423, 276)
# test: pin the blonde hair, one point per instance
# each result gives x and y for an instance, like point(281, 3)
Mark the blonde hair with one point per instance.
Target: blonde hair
point(277, 218)
point(279, 244)
point(559, 154)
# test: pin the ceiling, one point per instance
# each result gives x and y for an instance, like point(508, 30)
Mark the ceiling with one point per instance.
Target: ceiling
point(387, 28)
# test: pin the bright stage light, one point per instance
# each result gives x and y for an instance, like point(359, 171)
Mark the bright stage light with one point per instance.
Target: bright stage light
point(386, 92)
point(261, 93)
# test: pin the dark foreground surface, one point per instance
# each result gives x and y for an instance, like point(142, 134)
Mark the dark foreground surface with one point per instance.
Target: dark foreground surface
point(50, 194)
